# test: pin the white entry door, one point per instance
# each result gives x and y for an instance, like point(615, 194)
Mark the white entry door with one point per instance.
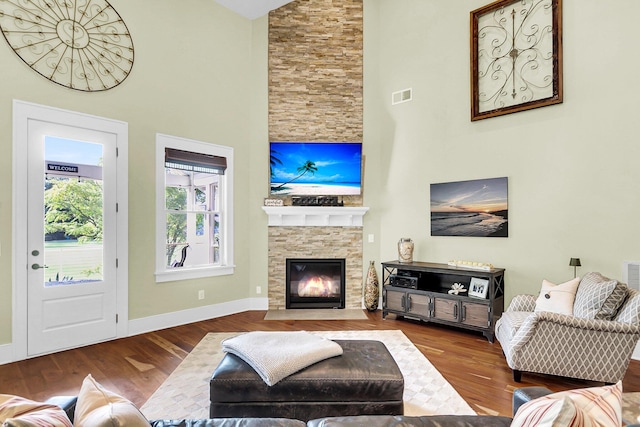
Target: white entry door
point(71, 236)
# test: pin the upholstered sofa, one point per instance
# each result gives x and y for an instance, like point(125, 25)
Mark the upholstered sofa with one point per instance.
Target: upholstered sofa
point(95, 407)
point(585, 328)
point(521, 396)
point(537, 404)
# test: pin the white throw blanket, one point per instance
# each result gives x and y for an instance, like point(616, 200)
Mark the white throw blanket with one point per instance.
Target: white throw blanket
point(276, 355)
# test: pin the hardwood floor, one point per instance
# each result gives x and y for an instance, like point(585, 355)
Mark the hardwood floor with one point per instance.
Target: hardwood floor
point(134, 367)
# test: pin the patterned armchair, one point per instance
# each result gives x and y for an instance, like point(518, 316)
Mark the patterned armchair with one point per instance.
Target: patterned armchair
point(594, 343)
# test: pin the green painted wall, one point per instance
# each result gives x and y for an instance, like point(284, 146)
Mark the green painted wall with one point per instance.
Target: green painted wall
point(195, 75)
point(573, 168)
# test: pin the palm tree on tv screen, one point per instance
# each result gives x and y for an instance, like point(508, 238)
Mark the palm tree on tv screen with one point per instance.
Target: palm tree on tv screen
point(308, 166)
point(274, 161)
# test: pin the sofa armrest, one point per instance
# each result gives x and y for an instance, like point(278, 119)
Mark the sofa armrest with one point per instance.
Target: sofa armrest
point(580, 323)
point(526, 394)
point(67, 403)
point(522, 303)
point(563, 321)
point(558, 344)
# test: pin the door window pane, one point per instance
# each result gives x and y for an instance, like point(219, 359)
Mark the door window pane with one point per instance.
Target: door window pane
point(73, 216)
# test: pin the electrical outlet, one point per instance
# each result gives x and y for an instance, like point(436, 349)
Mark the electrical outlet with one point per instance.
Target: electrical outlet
point(258, 290)
point(371, 238)
point(201, 294)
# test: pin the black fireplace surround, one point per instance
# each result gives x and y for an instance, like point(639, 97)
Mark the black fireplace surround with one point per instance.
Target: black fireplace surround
point(315, 283)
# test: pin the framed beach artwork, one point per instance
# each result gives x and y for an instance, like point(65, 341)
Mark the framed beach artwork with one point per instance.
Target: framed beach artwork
point(476, 208)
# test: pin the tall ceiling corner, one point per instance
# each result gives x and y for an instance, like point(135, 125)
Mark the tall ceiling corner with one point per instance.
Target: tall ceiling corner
point(252, 9)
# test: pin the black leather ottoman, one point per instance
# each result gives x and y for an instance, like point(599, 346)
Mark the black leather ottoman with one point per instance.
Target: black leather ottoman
point(365, 380)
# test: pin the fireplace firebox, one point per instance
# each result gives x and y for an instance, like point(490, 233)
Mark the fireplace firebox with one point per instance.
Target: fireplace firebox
point(315, 283)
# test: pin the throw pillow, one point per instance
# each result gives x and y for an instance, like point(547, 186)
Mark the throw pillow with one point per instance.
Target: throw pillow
point(598, 297)
point(630, 311)
point(99, 407)
point(20, 412)
point(545, 413)
point(592, 407)
point(557, 298)
point(615, 301)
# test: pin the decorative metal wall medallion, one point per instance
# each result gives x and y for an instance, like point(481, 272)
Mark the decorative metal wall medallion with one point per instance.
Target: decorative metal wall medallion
point(81, 44)
point(516, 56)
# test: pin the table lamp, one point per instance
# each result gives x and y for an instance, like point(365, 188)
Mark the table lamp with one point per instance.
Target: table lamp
point(575, 263)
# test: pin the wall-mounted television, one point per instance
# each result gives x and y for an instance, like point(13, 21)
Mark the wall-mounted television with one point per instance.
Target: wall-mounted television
point(315, 168)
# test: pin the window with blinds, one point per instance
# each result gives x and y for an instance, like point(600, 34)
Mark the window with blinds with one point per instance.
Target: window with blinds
point(195, 211)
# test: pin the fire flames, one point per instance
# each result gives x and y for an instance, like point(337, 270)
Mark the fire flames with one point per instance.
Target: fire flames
point(318, 286)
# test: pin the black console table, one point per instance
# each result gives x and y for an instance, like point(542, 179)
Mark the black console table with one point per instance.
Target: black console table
point(419, 290)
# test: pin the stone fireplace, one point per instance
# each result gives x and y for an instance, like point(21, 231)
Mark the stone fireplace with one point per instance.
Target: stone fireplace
point(315, 233)
point(327, 107)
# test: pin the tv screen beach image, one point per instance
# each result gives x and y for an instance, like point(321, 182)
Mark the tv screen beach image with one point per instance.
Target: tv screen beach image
point(315, 168)
point(475, 208)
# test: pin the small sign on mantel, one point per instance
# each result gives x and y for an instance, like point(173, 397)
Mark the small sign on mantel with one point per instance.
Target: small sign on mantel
point(273, 202)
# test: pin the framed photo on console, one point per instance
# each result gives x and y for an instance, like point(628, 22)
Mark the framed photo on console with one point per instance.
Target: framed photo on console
point(516, 56)
point(478, 287)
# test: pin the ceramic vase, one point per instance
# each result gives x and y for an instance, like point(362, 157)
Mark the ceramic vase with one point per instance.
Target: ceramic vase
point(405, 250)
point(371, 288)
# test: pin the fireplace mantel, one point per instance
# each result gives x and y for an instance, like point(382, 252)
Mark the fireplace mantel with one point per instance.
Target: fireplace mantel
point(315, 216)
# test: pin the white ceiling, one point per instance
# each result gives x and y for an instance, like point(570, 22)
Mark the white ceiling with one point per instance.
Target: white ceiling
point(252, 9)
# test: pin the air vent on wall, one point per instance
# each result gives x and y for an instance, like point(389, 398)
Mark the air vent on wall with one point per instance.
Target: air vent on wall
point(404, 95)
point(631, 274)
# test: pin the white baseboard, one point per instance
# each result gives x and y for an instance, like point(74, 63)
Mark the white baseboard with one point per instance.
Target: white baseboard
point(169, 320)
point(6, 353)
point(177, 318)
point(259, 303)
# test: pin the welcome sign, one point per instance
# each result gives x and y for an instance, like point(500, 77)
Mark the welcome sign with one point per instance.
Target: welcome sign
point(62, 168)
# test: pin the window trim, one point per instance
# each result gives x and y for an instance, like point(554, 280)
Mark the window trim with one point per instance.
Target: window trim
point(227, 265)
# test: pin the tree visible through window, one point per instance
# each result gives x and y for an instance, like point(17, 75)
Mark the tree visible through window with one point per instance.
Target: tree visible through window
point(73, 211)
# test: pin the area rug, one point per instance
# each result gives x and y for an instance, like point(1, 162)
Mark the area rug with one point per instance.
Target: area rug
point(316, 314)
point(185, 393)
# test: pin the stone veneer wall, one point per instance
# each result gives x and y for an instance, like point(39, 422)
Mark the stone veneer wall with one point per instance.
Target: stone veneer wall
point(315, 71)
point(315, 242)
point(315, 94)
